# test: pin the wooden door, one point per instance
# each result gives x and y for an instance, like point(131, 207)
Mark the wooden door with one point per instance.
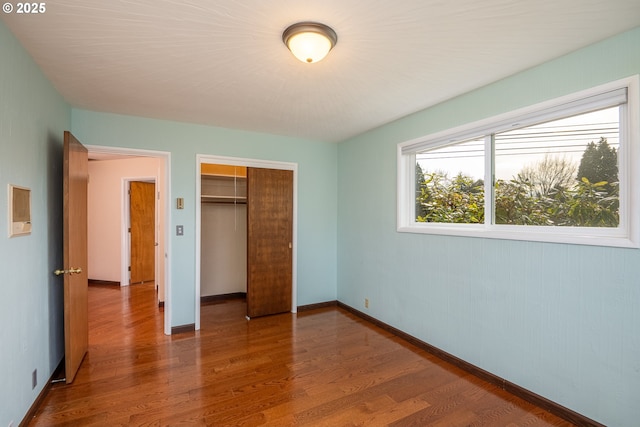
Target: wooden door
point(269, 241)
point(142, 215)
point(76, 326)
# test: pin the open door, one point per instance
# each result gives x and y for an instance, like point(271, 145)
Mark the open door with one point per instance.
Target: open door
point(142, 215)
point(76, 326)
point(269, 241)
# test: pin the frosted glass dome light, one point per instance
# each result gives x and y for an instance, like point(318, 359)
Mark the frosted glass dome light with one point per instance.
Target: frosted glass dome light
point(309, 41)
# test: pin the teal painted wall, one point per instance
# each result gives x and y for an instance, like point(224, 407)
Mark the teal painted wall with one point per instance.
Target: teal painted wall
point(33, 117)
point(560, 320)
point(317, 187)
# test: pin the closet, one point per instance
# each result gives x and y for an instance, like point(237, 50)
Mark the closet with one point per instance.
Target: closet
point(223, 269)
point(247, 237)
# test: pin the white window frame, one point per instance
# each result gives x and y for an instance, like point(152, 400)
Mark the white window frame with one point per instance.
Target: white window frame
point(627, 234)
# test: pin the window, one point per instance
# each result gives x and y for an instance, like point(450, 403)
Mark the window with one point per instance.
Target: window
point(561, 171)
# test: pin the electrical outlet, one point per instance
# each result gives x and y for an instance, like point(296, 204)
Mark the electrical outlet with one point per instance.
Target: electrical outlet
point(366, 303)
point(34, 379)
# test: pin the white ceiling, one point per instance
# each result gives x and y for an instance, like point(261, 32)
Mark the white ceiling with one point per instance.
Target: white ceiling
point(223, 63)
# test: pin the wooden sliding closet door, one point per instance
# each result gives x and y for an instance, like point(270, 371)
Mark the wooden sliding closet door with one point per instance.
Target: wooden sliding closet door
point(269, 241)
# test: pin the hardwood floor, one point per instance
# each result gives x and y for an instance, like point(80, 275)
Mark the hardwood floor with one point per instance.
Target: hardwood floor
point(323, 367)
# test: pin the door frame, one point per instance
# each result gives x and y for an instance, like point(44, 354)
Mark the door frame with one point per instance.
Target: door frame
point(125, 274)
point(165, 194)
point(251, 163)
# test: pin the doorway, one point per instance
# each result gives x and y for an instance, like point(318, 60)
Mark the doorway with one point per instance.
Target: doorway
point(161, 177)
point(246, 163)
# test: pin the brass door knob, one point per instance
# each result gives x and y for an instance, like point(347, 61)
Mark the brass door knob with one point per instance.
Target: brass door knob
point(72, 270)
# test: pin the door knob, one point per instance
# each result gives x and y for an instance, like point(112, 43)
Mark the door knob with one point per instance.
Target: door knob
point(72, 270)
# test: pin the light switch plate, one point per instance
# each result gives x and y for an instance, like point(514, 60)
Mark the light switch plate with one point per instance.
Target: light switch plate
point(179, 230)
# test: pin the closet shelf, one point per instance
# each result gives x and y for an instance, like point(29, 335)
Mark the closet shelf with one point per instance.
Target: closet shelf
point(223, 199)
point(223, 177)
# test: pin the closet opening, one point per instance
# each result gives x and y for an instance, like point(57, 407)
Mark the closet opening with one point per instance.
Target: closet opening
point(223, 261)
point(246, 235)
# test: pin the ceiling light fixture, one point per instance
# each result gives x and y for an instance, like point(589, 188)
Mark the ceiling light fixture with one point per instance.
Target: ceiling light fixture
point(309, 41)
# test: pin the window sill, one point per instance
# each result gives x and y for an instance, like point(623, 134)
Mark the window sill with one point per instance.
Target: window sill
point(568, 235)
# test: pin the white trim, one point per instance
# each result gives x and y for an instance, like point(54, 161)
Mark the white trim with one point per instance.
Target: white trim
point(254, 163)
point(166, 195)
point(626, 235)
point(125, 246)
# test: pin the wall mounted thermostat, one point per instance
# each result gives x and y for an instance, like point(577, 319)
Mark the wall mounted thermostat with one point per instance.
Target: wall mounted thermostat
point(19, 210)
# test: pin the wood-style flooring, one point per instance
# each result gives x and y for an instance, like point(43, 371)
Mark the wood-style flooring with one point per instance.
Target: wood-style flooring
point(323, 367)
